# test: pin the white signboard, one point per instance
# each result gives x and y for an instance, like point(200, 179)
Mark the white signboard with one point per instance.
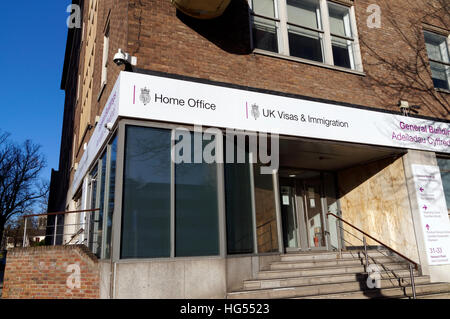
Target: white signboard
point(433, 213)
point(109, 115)
point(170, 100)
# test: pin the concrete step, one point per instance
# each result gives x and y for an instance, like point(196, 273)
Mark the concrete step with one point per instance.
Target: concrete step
point(317, 271)
point(324, 289)
point(426, 290)
point(330, 255)
point(444, 295)
point(318, 280)
point(282, 265)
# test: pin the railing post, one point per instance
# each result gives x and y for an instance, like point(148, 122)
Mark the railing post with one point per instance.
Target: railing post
point(413, 285)
point(365, 252)
point(25, 232)
point(54, 232)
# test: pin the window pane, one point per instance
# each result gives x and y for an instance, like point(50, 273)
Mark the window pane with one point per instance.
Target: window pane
point(437, 47)
point(92, 216)
point(112, 188)
point(146, 193)
point(440, 74)
point(339, 20)
point(99, 215)
point(264, 7)
point(265, 210)
point(305, 44)
point(265, 34)
point(342, 52)
point(332, 207)
point(239, 208)
point(196, 203)
point(444, 166)
point(304, 12)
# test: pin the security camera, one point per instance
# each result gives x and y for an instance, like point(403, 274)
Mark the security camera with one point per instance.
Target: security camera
point(121, 58)
point(109, 126)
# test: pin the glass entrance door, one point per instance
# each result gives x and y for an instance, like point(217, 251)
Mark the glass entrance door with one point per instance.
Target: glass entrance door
point(303, 211)
point(289, 216)
point(313, 212)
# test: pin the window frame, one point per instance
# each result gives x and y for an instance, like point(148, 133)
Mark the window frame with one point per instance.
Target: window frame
point(440, 62)
point(118, 207)
point(325, 34)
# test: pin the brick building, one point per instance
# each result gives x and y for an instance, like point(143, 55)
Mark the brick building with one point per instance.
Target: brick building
point(353, 94)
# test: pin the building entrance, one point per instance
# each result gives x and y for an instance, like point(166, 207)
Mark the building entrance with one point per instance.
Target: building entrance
point(303, 210)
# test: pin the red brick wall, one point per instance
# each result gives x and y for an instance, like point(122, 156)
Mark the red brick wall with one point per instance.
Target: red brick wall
point(42, 273)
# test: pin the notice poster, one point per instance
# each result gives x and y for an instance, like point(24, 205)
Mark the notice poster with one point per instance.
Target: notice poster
point(433, 213)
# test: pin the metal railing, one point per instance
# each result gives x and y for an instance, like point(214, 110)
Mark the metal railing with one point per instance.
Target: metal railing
point(60, 231)
point(412, 265)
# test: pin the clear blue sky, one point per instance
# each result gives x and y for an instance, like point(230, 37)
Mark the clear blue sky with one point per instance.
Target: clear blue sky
point(32, 46)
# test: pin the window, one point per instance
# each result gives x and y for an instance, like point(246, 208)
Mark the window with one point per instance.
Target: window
point(105, 56)
point(146, 193)
point(444, 166)
point(239, 206)
point(438, 55)
point(111, 197)
point(196, 202)
point(315, 30)
point(170, 208)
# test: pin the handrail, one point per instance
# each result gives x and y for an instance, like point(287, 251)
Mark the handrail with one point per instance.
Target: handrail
point(374, 239)
point(63, 213)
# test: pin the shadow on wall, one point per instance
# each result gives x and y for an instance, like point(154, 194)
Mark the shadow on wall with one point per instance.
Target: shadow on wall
point(351, 178)
point(230, 32)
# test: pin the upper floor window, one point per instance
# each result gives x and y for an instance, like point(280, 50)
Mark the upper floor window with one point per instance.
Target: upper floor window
point(316, 30)
point(438, 55)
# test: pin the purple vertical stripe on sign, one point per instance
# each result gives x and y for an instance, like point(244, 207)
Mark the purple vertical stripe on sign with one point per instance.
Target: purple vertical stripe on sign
point(246, 108)
point(134, 95)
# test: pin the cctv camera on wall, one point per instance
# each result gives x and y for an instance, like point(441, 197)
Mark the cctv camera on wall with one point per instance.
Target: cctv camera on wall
point(121, 58)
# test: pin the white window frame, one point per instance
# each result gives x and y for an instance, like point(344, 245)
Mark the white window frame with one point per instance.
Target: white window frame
point(281, 16)
point(105, 55)
point(446, 64)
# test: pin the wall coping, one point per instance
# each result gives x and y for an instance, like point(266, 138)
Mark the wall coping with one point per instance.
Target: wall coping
point(82, 249)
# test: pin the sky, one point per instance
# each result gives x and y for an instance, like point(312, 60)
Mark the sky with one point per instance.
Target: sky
point(32, 47)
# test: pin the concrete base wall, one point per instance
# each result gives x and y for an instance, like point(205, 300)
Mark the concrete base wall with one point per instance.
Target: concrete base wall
point(201, 278)
point(196, 278)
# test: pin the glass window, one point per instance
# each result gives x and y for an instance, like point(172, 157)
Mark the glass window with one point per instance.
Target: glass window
point(146, 193)
point(265, 211)
point(239, 208)
point(196, 202)
point(93, 203)
point(99, 214)
point(111, 197)
point(444, 166)
point(304, 30)
point(265, 25)
point(341, 33)
point(438, 54)
point(304, 42)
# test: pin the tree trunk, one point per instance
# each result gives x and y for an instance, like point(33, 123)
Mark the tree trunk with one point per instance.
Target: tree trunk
point(2, 229)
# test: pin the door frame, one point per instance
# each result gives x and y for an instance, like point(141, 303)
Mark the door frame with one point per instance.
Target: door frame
point(300, 204)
